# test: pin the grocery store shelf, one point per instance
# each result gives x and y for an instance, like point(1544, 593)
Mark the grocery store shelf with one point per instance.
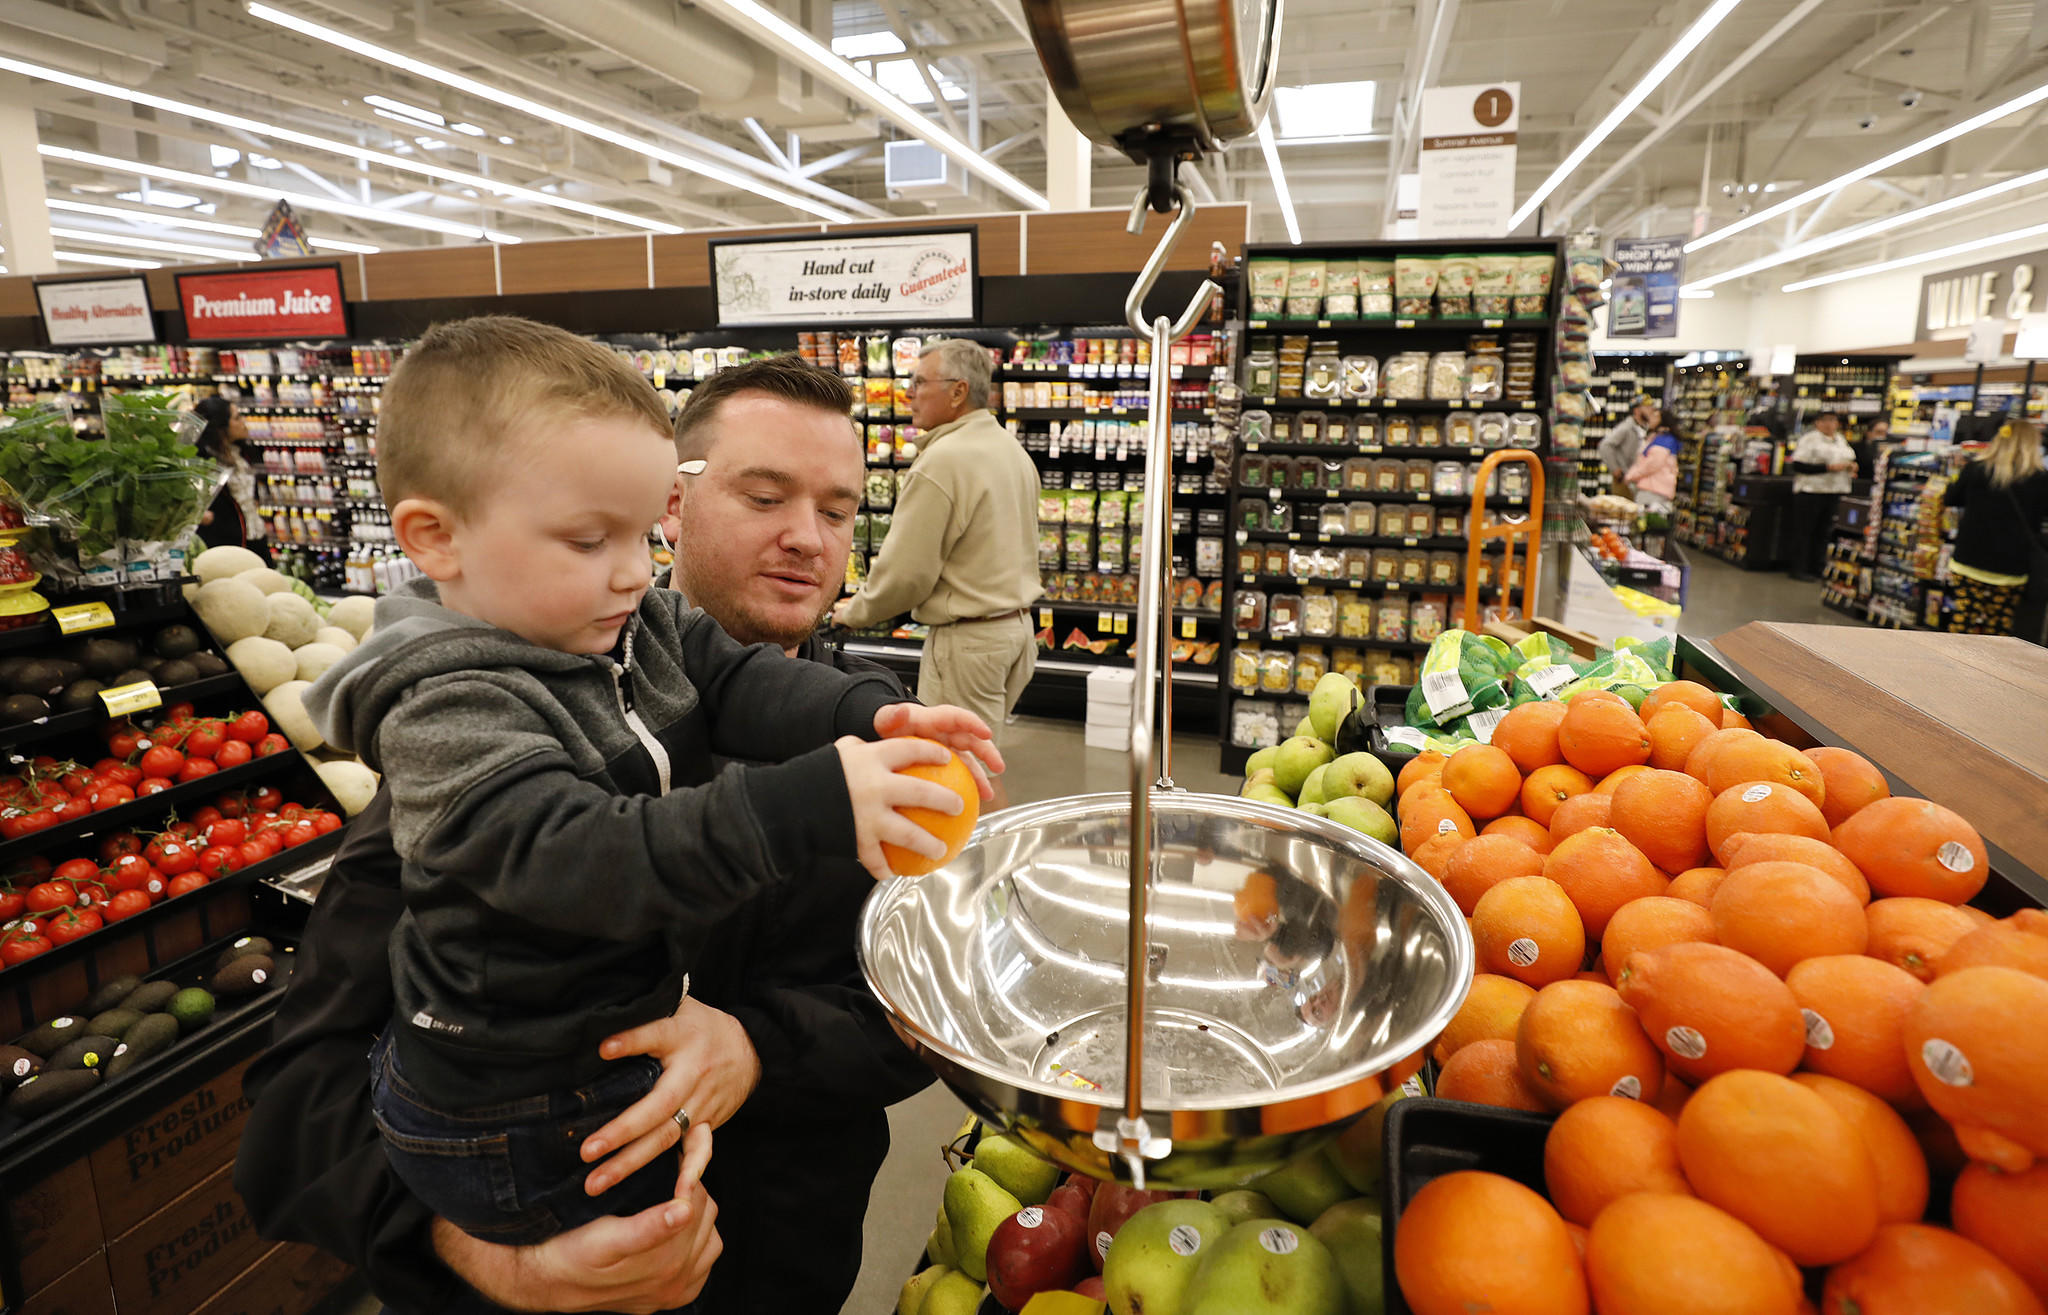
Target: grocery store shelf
point(1370, 450)
point(1378, 404)
point(147, 809)
point(1384, 323)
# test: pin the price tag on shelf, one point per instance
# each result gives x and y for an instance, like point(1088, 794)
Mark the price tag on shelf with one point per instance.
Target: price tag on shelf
point(1422, 497)
point(1123, 624)
point(1244, 634)
point(1273, 494)
point(1242, 536)
point(1407, 543)
point(1187, 627)
point(1255, 324)
point(1404, 324)
point(1294, 536)
point(1455, 405)
point(1322, 324)
point(125, 699)
point(1493, 324)
point(1252, 446)
point(1371, 449)
point(1044, 617)
point(81, 617)
point(1269, 401)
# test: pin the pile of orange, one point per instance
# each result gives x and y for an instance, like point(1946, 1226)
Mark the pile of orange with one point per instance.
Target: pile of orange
point(1748, 980)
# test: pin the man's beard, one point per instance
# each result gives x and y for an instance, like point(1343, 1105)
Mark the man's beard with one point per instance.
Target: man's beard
point(733, 614)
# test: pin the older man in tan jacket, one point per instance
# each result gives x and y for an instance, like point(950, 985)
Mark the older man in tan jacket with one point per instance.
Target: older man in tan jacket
point(962, 551)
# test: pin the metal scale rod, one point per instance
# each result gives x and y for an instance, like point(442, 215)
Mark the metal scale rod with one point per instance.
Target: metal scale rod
point(1133, 1138)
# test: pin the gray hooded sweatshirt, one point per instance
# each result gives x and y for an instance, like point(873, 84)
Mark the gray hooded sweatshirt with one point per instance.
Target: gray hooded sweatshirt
point(566, 839)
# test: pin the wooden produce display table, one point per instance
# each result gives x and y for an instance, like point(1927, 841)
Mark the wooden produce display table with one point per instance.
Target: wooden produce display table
point(1959, 719)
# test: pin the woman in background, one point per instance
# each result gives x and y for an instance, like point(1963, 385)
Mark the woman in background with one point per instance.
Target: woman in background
point(1654, 476)
point(1822, 465)
point(2003, 493)
point(233, 519)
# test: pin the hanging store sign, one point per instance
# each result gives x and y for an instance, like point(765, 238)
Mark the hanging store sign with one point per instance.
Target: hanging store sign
point(1467, 162)
point(1643, 303)
point(256, 305)
point(96, 312)
point(896, 278)
point(1951, 302)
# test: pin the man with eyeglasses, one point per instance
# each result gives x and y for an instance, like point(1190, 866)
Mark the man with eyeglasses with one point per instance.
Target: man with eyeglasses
point(962, 551)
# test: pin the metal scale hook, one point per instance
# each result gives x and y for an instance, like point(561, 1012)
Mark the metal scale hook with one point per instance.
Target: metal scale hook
point(1132, 1136)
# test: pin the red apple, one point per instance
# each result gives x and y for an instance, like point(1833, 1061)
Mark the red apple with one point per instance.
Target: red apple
point(1113, 1204)
point(1092, 1287)
point(1035, 1250)
point(1069, 1199)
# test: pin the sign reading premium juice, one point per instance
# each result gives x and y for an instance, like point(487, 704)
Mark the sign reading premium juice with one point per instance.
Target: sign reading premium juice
point(257, 305)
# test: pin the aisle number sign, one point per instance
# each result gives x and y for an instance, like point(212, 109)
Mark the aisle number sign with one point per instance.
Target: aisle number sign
point(927, 277)
point(1467, 162)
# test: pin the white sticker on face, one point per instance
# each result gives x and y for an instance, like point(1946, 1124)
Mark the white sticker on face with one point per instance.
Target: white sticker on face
point(1279, 1241)
point(1184, 1240)
point(1955, 856)
point(1522, 952)
point(1756, 794)
point(1949, 1065)
point(1030, 1217)
point(1630, 1087)
point(1686, 1042)
point(1819, 1036)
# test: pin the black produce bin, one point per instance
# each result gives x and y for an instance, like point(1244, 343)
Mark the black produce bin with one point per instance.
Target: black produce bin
point(1428, 1138)
point(1365, 730)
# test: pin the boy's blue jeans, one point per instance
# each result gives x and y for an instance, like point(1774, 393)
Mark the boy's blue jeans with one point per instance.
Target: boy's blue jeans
point(511, 1173)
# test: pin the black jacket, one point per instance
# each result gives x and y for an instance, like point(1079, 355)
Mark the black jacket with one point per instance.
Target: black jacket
point(806, 1145)
point(1997, 524)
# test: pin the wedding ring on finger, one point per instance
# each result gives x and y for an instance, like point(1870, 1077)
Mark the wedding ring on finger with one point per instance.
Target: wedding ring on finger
point(682, 1121)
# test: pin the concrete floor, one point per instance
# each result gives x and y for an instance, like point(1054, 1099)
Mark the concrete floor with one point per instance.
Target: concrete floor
point(1722, 597)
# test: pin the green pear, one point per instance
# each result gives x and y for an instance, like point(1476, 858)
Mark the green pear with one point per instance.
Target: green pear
point(1305, 729)
point(953, 1294)
point(975, 1205)
point(1351, 1230)
point(1313, 810)
point(1263, 776)
point(1360, 1151)
point(1260, 759)
point(1358, 775)
point(1303, 1188)
point(1336, 696)
point(939, 1248)
point(1363, 815)
point(1266, 1267)
point(1017, 1169)
point(1244, 1204)
point(1296, 759)
point(1156, 1253)
point(911, 1299)
point(1312, 788)
point(1270, 794)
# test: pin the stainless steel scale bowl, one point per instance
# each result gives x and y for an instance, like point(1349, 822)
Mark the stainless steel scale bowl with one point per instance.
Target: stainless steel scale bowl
point(1292, 968)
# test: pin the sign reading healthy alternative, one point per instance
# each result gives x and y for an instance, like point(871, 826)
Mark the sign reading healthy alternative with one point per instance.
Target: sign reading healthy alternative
point(1643, 303)
point(78, 312)
point(897, 278)
point(254, 305)
point(1468, 159)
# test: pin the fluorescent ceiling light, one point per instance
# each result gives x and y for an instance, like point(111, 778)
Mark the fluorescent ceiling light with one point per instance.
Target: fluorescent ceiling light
point(468, 129)
point(899, 77)
point(1879, 165)
point(196, 225)
point(1701, 29)
point(504, 141)
point(299, 200)
point(1695, 294)
point(1286, 198)
point(409, 111)
point(150, 244)
point(1325, 109)
point(223, 157)
point(118, 262)
point(159, 196)
point(206, 114)
point(434, 73)
point(777, 32)
point(867, 45)
point(1842, 237)
point(1904, 262)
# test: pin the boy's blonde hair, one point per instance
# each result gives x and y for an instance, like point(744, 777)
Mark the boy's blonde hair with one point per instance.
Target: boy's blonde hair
point(468, 388)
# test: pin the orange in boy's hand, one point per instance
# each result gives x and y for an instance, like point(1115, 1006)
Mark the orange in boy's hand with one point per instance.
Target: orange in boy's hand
point(955, 776)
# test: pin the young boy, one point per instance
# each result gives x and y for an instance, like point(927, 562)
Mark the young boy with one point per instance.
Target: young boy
point(531, 703)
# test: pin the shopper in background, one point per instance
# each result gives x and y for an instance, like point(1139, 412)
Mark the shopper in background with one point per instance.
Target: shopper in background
point(803, 1047)
point(233, 520)
point(1624, 441)
point(1654, 475)
point(962, 551)
point(1875, 435)
point(2003, 494)
point(1822, 465)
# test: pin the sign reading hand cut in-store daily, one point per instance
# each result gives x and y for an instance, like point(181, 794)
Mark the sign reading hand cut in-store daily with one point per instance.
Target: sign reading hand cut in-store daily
point(1467, 161)
point(1643, 303)
point(896, 278)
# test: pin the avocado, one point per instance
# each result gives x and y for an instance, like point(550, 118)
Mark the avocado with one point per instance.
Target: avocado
point(111, 994)
point(149, 663)
point(16, 1064)
point(10, 668)
point(113, 1022)
point(16, 709)
point(86, 1052)
point(79, 695)
point(150, 997)
point(208, 664)
point(245, 976)
point(132, 676)
point(176, 641)
point(47, 1091)
point(154, 1033)
point(192, 1007)
point(176, 671)
point(40, 677)
point(104, 656)
point(67, 671)
point(47, 1039)
point(243, 945)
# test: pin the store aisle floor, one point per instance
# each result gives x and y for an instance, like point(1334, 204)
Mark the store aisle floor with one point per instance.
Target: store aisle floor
point(1722, 597)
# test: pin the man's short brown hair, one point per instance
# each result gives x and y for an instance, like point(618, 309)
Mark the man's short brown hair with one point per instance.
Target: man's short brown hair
point(467, 387)
point(784, 377)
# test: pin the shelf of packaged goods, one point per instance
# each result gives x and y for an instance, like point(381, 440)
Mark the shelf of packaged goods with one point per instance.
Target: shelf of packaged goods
point(155, 380)
point(1403, 324)
point(1378, 404)
point(1056, 662)
point(1454, 543)
point(1845, 608)
point(1121, 609)
point(1084, 373)
point(1367, 450)
point(299, 377)
point(1459, 500)
point(1033, 413)
point(1370, 587)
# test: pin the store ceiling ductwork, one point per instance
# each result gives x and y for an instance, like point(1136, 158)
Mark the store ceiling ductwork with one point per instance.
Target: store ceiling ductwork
point(81, 43)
